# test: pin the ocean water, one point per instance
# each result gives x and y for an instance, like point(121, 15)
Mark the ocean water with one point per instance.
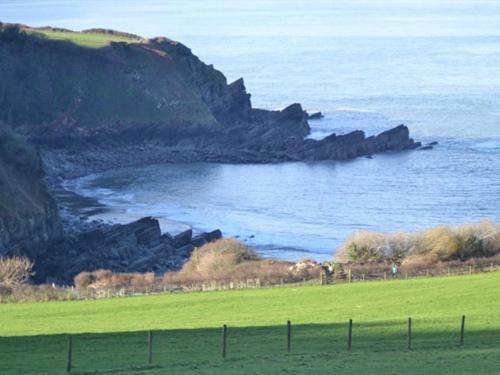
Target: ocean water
point(368, 65)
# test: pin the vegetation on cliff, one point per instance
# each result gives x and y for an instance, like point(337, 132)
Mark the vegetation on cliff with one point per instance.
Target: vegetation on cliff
point(93, 38)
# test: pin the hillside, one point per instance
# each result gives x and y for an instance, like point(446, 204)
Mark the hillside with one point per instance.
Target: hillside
point(51, 84)
point(111, 334)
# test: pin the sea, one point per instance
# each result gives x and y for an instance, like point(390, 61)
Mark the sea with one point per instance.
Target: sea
point(369, 65)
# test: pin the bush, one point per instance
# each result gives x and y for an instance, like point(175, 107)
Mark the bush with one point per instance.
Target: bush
point(432, 245)
point(15, 271)
point(106, 279)
point(214, 261)
point(230, 260)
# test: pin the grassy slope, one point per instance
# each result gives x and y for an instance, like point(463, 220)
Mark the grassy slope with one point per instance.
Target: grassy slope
point(47, 82)
point(189, 340)
point(92, 40)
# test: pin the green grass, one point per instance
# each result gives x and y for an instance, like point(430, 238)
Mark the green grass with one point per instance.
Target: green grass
point(110, 335)
point(92, 40)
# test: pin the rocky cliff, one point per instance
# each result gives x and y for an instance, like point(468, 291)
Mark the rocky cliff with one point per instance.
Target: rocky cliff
point(29, 221)
point(66, 95)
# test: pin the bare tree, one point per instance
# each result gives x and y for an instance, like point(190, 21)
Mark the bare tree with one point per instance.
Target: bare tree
point(15, 271)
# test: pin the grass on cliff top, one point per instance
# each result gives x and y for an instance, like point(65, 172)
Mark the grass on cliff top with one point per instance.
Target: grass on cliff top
point(91, 40)
point(110, 334)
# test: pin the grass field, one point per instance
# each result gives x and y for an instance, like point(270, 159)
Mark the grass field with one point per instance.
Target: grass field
point(111, 335)
point(93, 40)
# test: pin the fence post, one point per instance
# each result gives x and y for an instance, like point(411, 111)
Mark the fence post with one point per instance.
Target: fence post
point(70, 354)
point(349, 275)
point(462, 330)
point(288, 336)
point(224, 340)
point(409, 333)
point(470, 269)
point(385, 275)
point(150, 347)
point(349, 337)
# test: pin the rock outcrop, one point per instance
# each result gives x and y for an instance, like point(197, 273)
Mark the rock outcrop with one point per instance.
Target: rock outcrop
point(29, 221)
point(136, 247)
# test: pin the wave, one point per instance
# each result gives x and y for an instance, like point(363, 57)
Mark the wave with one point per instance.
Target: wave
point(488, 146)
point(350, 109)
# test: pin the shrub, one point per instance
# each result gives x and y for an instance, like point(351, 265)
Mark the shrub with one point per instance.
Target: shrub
point(216, 260)
point(432, 245)
point(84, 279)
point(15, 271)
point(230, 260)
point(368, 246)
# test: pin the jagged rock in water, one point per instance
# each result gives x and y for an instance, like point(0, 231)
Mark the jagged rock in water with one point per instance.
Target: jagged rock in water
point(315, 116)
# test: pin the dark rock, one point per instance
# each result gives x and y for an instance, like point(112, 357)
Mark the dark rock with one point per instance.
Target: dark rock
point(183, 238)
point(167, 238)
point(426, 147)
point(214, 235)
point(135, 247)
point(315, 116)
point(199, 240)
point(433, 143)
point(148, 231)
point(185, 251)
point(203, 238)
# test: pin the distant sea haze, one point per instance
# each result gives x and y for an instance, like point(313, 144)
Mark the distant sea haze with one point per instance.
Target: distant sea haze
point(369, 65)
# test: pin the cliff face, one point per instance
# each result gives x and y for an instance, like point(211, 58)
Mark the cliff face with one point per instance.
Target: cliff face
point(29, 220)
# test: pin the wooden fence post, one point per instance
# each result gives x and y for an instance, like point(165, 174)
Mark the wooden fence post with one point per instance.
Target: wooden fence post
point(409, 333)
point(462, 328)
point(224, 340)
point(70, 354)
point(349, 275)
point(385, 275)
point(150, 347)
point(349, 337)
point(288, 336)
point(470, 269)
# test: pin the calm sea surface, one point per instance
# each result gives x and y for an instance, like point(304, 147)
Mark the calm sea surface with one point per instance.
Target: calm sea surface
point(369, 65)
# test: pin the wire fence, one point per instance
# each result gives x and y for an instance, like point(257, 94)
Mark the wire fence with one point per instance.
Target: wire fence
point(348, 274)
point(177, 348)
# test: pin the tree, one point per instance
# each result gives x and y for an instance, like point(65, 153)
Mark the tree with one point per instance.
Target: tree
point(15, 271)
